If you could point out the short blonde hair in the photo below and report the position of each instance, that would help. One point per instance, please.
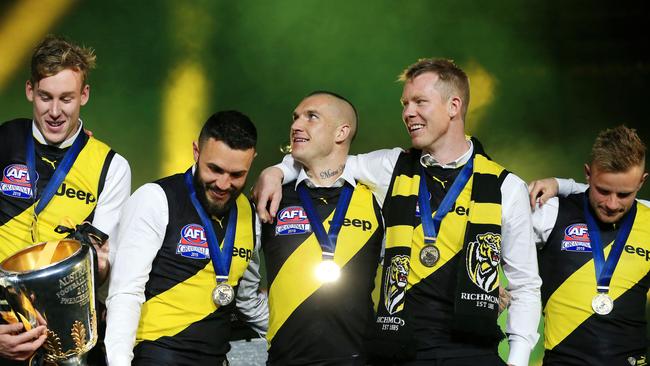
(617, 150)
(451, 78)
(55, 54)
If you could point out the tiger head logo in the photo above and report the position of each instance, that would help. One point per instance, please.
(483, 257)
(395, 283)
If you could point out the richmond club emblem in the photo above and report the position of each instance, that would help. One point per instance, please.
(395, 283)
(483, 256)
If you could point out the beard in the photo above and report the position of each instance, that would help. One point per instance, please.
(213, 208)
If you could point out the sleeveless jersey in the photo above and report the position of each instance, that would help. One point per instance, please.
(75, 198)
(179, 315)
(312, 322)
(573, 333)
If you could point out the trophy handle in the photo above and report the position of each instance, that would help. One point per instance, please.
(22, 310)
(94, 261)
(86, 234)
(6, 311)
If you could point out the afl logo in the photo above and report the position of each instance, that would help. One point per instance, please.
(576, 238)
(193, 243)
(292, 220)
(16, 181)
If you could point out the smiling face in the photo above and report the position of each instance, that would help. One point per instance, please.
(221, 174)
(318, 125)
(57, 101)
(426, 113)
(611, 194)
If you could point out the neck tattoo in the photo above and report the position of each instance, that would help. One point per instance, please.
(329, 173)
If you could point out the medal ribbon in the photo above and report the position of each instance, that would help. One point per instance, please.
(221, 258)
(605, 268)
(59, 173)
(327, 240)
(431, 226)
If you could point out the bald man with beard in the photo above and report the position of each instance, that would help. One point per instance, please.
(322, 248)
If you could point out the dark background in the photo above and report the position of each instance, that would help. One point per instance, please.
(546, 75)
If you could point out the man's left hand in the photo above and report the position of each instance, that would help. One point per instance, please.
(504, 299)
(102, 261)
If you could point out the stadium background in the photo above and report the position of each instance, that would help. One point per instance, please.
(546, 75)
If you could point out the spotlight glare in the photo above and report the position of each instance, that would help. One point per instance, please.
(328, 271)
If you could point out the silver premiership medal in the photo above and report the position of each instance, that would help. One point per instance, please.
(223, 294)
(602, 304)
(328, 271)
(429, 255)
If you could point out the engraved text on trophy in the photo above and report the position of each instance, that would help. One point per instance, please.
(73, 288)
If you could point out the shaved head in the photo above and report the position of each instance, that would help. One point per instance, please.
(323, 127)
(341, 109)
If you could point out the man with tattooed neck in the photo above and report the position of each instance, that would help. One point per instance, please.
(453, 217)
(322, 250)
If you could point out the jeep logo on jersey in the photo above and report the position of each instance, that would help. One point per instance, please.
(365, 225)
(193, 243)
(70, 192)
(459, 210)
(16, 182)
(576, 239)
(641, 252)
(292, 220)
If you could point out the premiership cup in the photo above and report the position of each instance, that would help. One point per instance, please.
(59, 293)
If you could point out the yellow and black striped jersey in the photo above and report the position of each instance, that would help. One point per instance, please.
(573, 333)
(179, 315)
(312, 322)
(75, 198)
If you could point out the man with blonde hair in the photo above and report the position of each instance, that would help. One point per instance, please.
(440, 287)
(594, 259)
(52, 170)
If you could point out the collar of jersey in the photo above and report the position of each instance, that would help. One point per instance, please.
(427, 160)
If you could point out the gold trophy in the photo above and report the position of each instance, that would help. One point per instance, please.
(53, 284)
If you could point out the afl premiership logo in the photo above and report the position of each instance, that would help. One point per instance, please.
(193, 243)
(576, 238)
(16, 181)
(395, 283)
(292, 220)
(483, 256)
